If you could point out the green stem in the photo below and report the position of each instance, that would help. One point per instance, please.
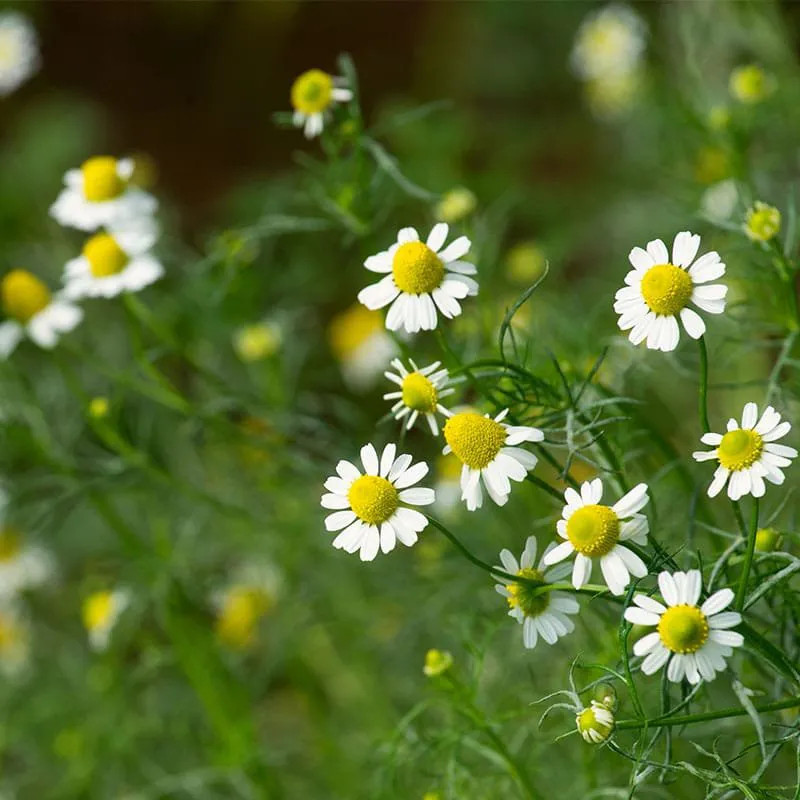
(687, 719)
(748, 558)
(701, 343)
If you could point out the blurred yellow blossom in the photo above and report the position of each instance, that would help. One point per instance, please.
(251, 595)
(768, 540)
(437, 662)
(613, 96)
(455, 205)
(100, 612)
(99, 407)
(762, 222)
(712, 164)
(525, 263)
(750, 84)
(14, 639)
(257, 342)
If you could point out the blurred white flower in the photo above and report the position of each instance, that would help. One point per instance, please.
(14, 638)
(313, 94)
(610, 42)
(719, 201)
(22, 566)
(19, 51)
(420, 393)
(101, 612)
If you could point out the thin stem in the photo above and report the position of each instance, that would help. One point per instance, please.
(701, 343)
(748, 558)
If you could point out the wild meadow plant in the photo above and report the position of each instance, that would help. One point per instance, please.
(167, 421)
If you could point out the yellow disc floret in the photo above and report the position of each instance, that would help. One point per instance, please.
(666, 289)
(10, 544)
(416, 268)
(419, 394)
(101, 179)
(593, 530)
(312, 92)
(740, 449)
(683, 629)
(763, 222)
(476, 440)
(524, 595)
(104, 255)
(23, 295)
(373, 499)
(98, 609)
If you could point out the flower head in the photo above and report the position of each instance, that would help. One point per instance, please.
(23, 566)
(371, 509)
(257, 342)
(421, 277)
(455, 205)
(595, 723)
(694, 639)
(612, 97)
(762, 222)
(609, 42)
(34, 312)
(14, 638)
(658, 292)
(596, 532)
(100, 194)
(19, 51)
(488, 451)
(437, 662)
(768, 540)
(101, 612)
(313, 95)
(749, 454)
(750, 84)
(420, 391)
(99, 407)
(541, 614)
(251, 594)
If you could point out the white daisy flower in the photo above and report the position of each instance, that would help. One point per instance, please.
(101, 194)
(610, 42)
(370, 509)
(695, 639)
(101, 612)
(594, 531)
(545, 614)
(420, 393)
(19, 51)
(659, 291)
(421, 277)
(33, 312)
(487, 449)
(112, 263)
(22, 566)
(749, 454)
(313, 94)
(595, 723)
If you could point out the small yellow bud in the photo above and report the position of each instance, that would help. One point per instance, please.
(257, 342)
(762, 222)
(750, 84)
(455, 205)
(606, 694)
(595, 723)
(768, 540)
(437, 662)
(99, 407)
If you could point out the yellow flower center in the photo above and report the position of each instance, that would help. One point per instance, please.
(593, 530)
(524, 597)
(437, 662)
(243, 607)
(419, 394)
(373, 499)
(97, 610)
(750, 84)
(351, 329)
(416, 268)
(101, 180)
(739, 449)
(683, 629)
(10, 544)
(312, 92)
(12, 634)
(666, 289)
(104, 255)
(476, 440)
(23, 295)
(763, 222)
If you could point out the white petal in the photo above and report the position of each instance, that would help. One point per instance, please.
(559, 553)
(669, 591)
(638, 616)
(437, 236)
(412, 475)
(658, 251)
(455, 250)
(581, 570)
(684, 248)
(369, 458)
(657, 658)
(631, 502)
(693, 323)
(644, 645)
(418, 496)
(719, 600)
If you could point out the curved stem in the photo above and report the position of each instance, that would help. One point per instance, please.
(748, 558)
(701, 343)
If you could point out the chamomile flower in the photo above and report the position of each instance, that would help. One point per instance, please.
(609, 42)
(659, 291)
(371, 509)
(19, 51)
(313, 95)
(695, 640)
(421, 277)
(762, 222)
(101, 612)
(595, 723)
(101, 194)
(437, 662)
(487, 449)
(360, 343)
(748, 454)
(541, 614)
(22, 565)
(420, 393)
(112, 263)
(750, 84)
(251, 594)
(33, 312)
(594, 531)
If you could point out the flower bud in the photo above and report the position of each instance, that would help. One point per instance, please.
(595, 723)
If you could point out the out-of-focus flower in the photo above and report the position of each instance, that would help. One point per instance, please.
(313, 94)
(33, 312)
(252, 593)
(720, 200)
(762, 222)
(99, 407)
(448, 484)
(719, 117)
(421, 277)
(595, 723)
(712, 165)
(100, 194)
(370, 509)
(750, 84)
(612, 97)
(22, 566)
(455, 205)
(113, 263)
(437, 662)
(658, 292)
(19, 51)
(749, 454)
(525, 263)
(488, 450)
(257, 342)
(14, 639)
(768, 540)
(360, 343)
(101, 612)
(420, 393)
(609, 42)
